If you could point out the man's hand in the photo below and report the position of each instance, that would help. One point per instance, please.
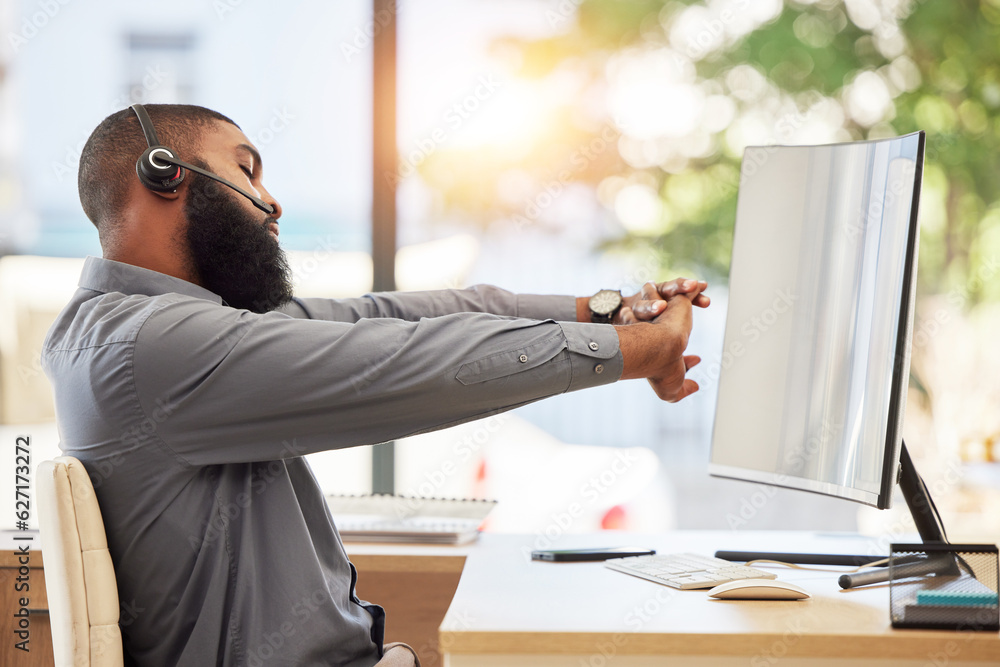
(652, 299)
(655, 350)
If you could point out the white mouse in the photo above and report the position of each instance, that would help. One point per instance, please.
(758, 589)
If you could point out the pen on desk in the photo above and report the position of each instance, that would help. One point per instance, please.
(919, 567)
(863, 578)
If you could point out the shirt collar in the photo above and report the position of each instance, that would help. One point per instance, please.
(106, 275)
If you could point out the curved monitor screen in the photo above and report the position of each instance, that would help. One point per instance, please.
(816, 354)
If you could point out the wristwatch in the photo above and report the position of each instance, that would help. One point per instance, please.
(605, 305)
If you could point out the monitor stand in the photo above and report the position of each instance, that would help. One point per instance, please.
(918, 500)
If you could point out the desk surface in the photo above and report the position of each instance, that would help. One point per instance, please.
(508, 604)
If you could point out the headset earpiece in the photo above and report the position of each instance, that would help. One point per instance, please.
(156, 175)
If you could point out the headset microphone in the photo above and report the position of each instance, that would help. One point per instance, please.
(160, 170)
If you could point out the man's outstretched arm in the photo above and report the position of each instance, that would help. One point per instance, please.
(412, 306)
(241, 387)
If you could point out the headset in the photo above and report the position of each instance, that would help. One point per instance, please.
(160, 170)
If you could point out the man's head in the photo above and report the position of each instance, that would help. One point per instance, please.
(202, 232)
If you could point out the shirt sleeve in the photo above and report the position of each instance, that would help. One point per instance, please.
(411, 306)
(225, 385)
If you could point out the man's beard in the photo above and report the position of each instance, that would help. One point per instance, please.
(233, 253)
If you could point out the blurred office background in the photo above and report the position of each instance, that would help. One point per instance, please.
(558, 146)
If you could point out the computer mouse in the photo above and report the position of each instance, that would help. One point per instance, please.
(758, 589)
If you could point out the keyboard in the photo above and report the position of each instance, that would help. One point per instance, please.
(685, 571)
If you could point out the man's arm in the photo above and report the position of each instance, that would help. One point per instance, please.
(238, 387)
(411, 306)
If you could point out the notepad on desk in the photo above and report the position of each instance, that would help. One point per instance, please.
(388, 518)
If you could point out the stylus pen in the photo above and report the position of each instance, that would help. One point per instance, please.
(803, 559)
(922, 568)
(864, 578)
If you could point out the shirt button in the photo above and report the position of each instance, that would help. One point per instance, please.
(599, 368)
(593, 346)
(523, 358)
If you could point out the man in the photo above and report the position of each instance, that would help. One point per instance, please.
(191, 383)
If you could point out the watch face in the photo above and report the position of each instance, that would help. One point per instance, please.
(605, 302)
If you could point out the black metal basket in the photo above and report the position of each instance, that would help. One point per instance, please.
(944, 586)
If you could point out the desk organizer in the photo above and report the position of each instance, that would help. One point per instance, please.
(944, 586)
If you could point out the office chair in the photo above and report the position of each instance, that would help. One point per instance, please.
(79, 576)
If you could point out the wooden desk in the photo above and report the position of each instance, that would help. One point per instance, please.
(509, 610)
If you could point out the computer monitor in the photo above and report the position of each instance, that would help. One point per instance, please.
(815, 363)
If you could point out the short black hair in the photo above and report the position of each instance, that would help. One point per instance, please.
(107, 162)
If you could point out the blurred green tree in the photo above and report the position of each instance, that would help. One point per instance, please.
(665, 96)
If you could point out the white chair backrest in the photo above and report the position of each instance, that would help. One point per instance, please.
(79, 576)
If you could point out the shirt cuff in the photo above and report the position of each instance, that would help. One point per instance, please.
(543, 307)
(594, 354)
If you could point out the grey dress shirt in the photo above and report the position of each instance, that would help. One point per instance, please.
(192, 418)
